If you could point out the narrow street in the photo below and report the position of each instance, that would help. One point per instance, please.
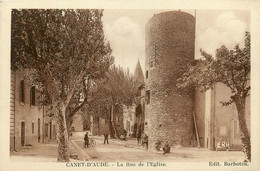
(118, 150)
(115, 151)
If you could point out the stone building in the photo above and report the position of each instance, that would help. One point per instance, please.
(134, 115)
(140, 104)
(30, 122)
(169, 45)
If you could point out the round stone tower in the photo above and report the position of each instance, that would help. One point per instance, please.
(169, 45)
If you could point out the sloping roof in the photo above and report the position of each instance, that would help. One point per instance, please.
(138, 75)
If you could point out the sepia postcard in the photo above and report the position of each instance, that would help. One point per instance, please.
(107, 85)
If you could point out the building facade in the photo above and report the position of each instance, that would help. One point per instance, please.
(218, 126)
(30, 122)
(134, 116)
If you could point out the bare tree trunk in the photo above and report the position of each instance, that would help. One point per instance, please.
(245, 137)
(69, 121)
(63, 143)
(110, 126)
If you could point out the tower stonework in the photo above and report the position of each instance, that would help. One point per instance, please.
(169, 46)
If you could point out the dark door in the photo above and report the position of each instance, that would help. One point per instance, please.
(50, 129)
(46, 130)
(39, 130)
(22, 133)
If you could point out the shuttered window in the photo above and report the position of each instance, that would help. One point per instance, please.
(32, 96)
(148, 97)
(22, 93)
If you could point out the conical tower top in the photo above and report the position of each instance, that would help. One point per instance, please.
(138, 74)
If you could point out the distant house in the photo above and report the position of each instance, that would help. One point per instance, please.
(30, 121)
(77, 125)
(102, 122)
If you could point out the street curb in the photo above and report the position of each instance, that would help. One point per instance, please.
(85, 156)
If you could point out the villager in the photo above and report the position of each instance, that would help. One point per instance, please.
(145, 140)
(106, 137)
(138, 135)
(124, 132)
(123, 135)
(166, 148)
(142, 138)
(86, 139)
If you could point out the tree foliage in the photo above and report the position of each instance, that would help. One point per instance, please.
(66, 50)
(115, 90)
(231, 68)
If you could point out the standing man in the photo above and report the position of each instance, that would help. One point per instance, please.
(86, 139)
(145, 140)
(138, 135)
(106, 138)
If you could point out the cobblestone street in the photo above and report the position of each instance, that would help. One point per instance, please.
(118, 150)
(128, 150)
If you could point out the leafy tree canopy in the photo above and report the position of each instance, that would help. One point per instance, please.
(66, 50)
(230, 67)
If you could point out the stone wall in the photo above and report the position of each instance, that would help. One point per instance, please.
(169, 45)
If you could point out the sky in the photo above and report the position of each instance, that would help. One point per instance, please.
(125, 30)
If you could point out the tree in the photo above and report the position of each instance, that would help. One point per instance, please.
(66, 49)
(232, 68)
(115, 90)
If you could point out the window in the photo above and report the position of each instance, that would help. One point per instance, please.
(22, 94)
(32, 96)
(32, 128)
(146, 74)
(147, 97)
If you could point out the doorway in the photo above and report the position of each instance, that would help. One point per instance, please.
(46, 130)
(22, 133)
(51, 129)
(39, 130)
